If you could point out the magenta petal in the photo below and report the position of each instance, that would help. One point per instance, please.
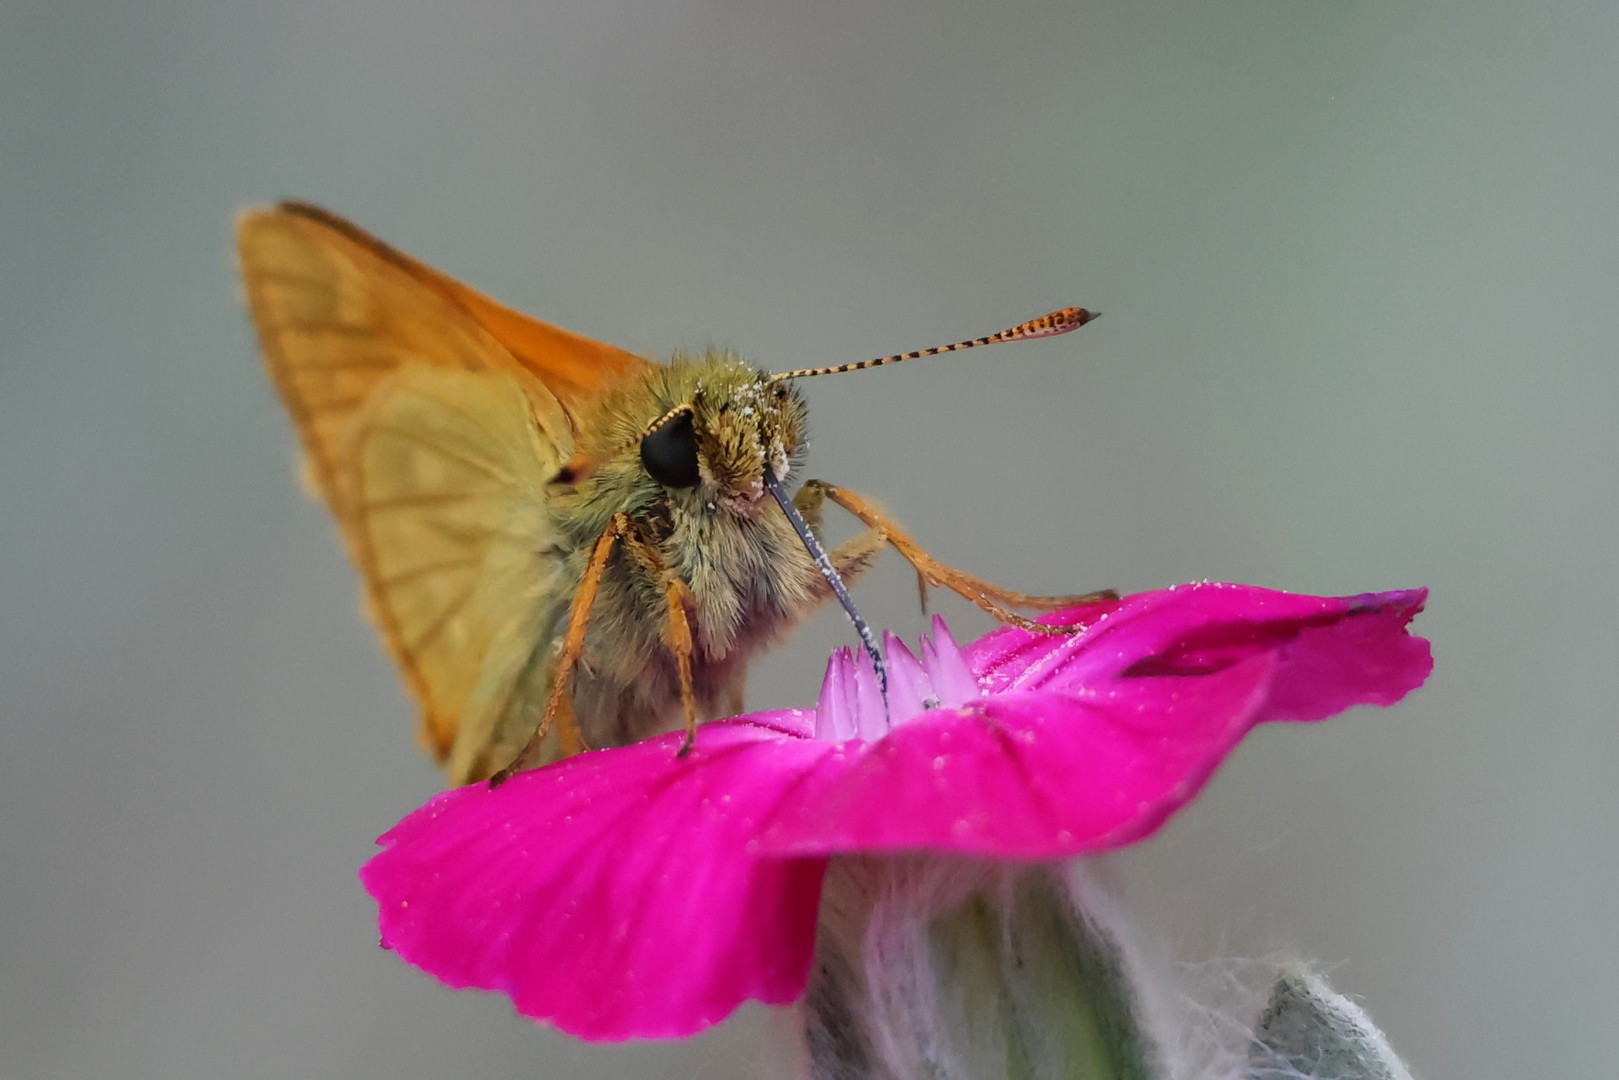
(1364, 658)
(1089, 741)
(1029, 776)
(1342, 651)
(614, 894)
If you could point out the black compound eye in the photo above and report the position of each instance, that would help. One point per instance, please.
(669, 453)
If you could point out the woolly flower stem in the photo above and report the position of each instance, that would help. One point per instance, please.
(930, 968)
(965, 970)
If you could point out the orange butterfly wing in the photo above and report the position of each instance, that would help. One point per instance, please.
(436, 480)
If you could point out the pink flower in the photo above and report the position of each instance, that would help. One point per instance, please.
(630, 893)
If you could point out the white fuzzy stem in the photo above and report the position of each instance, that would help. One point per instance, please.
(934, 969)
(929, 968)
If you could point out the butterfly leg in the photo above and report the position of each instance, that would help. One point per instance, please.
(991, 598)
(859, 552)
(855, 555)
(677, 631)
(573, 643)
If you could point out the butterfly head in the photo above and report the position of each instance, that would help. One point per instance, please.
(702, 434)
(728, 425)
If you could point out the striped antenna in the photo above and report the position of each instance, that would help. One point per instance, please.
(1058, 322)
(578, 468)
(683, 407)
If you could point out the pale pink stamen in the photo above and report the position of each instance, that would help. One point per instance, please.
(910, 691)
(871, 718)
(835, 711)
(851, 705)
(954, 683)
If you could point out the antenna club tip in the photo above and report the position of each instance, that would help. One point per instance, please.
(1058, 322)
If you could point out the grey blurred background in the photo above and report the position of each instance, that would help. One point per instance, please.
(1358, 262)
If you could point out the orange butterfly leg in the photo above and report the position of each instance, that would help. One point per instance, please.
(573, 643)
(677, 635)
(680, 643)
(930, 571)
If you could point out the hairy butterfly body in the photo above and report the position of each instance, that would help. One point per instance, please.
(562, 544)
